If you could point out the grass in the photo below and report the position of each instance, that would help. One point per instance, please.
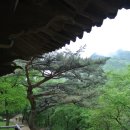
(2, 123)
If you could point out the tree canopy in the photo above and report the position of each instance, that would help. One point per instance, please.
(12, 95)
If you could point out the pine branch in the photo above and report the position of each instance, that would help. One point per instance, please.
(42, 81)
(45, 94)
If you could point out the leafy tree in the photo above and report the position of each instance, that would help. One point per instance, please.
(71, 69)
(114, 104)
(65, 117)
(12, 96)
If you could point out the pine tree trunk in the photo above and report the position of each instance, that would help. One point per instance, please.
(32, 115)
(7, 118)
(7, 121)
(31, 121)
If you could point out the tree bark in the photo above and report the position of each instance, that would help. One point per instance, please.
(32, 114)
(7, 121)
(31, 121)
(7, 118)
(31, 98)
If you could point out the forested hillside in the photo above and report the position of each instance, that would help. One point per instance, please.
(118, 61)
(62, 91)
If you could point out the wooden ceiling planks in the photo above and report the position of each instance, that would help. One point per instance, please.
(33, 27)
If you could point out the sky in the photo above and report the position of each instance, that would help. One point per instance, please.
(113, 35)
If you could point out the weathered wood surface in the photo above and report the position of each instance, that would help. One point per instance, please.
(33, 27)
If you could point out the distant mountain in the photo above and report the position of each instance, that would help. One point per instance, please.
(96, 56)
(121, 54)
(118, 61)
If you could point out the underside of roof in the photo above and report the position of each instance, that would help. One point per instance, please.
(32, 27)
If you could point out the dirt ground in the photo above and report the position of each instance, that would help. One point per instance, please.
(25, 128)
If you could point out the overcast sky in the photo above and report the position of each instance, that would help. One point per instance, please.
(113, 35)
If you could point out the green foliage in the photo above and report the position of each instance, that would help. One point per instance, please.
(66, 77)
(2, 123)
(113, 111)
(69, 81)
(119, 61)
(63, 78)
(12, 94)
(66, 117)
